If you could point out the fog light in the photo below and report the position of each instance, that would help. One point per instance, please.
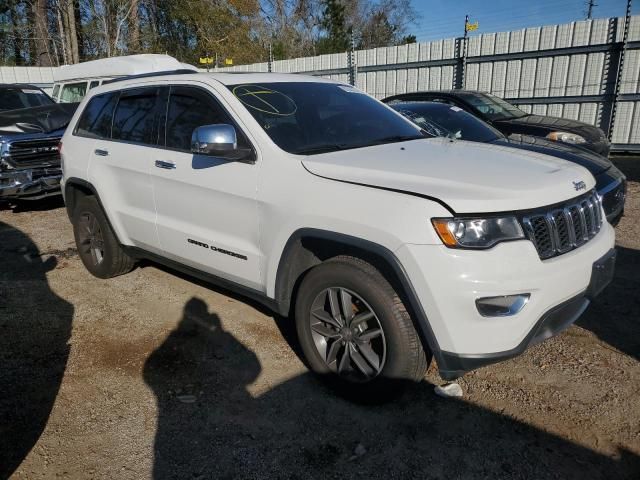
(502, 306)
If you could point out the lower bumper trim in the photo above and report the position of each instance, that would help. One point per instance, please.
(556, 320)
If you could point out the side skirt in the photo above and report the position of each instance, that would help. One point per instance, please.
(234, 287)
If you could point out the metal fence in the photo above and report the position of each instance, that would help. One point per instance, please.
(588, 71)
(584, 70)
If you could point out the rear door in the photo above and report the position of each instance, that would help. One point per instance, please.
(207, 212)
(121, 162)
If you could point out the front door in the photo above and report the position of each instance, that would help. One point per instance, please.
(206, 206)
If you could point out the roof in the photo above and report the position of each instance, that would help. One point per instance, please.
(119, 66)
(262, 77)
(229, 78)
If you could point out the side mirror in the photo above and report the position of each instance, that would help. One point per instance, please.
(216, 140)
(220, 141)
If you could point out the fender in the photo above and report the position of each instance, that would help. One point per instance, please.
(287, 274)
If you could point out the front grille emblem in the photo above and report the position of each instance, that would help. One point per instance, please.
(579, 185)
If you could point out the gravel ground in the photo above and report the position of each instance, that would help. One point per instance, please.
(153, 374)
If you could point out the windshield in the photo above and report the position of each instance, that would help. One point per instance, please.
(308, 118)
(14, 98)
(491, 107)
(445, 120)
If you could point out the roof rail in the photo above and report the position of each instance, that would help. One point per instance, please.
(182, 71)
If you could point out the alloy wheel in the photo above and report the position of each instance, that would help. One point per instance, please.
(91, 239)
(348, 334)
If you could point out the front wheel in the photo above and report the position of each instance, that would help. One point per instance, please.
(354, 328)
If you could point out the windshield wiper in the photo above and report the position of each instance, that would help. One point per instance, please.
(322, 149)
(394, 139)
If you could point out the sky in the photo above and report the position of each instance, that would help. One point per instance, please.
(445, 18)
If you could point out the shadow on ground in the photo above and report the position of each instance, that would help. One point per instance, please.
(614, 316)
(35, 327)
(210, 426)
(44, 204)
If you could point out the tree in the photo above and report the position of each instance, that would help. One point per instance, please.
(336, 38)
(42, 55)
(53, 32)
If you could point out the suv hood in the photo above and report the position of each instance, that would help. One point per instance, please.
(469, 177)
(43, 119)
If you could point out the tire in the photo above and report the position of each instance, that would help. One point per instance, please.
(98, 247)
(399, 355)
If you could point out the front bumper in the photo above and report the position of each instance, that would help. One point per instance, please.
(30, 184)
(448, 282)
(554, 321)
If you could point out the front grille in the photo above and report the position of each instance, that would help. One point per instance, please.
(32, 153)
(613, 200)
(561, 229)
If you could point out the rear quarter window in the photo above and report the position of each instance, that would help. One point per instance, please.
(96, 119)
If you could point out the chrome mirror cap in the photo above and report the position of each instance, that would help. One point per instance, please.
(214, 139)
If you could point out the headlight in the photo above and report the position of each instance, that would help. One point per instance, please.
(477, 232)
(566, 137)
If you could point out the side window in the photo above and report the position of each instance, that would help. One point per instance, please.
(134, 118)
(56, 89)
(73, 92)
(190, 108)
(96, 118)
(93, 84)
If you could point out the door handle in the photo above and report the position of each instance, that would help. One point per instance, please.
(101, 153)
(165, 165)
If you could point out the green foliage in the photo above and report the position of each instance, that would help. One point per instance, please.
(336, 38)
(190, 29)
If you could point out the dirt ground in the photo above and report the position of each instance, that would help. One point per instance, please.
(154, 374)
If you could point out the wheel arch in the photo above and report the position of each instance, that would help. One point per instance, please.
(74, 188)
(308, 247)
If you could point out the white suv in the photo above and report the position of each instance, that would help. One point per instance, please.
(387, 248)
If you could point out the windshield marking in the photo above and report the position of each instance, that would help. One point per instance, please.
(258, 94)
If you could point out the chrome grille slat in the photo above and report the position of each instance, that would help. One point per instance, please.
(560, 230)
(27, 153)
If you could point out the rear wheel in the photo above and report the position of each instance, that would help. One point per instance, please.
(98, 247)
(355, 330)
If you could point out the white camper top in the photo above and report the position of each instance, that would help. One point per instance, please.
(119, 67)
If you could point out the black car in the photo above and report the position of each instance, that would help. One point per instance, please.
(14, 96)
(444, 120)
(509, 119)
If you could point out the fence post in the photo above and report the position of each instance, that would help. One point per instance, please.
(458, 72)
(351, 61)
(270, 63)
(619, 70)
(461, 54)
